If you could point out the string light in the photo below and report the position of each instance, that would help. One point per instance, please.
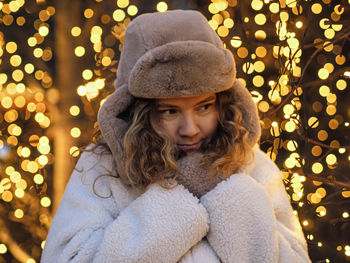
(162, 7)
(269, 72)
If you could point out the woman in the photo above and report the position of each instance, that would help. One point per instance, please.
(182, 179)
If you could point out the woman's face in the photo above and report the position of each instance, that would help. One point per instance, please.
(188, 121)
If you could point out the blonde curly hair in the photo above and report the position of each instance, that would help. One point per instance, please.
(151, 155)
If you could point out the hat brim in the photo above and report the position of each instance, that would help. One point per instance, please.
(182, 69)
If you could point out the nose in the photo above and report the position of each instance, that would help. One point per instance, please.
(189, 126)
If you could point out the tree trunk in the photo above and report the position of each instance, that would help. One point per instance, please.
(66, 71)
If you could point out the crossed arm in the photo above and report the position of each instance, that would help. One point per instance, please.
(243, 220)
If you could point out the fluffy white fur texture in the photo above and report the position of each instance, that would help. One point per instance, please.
(250, 220)
(182, 69)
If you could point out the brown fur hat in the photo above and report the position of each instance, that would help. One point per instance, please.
(167, 55)
(174, 54)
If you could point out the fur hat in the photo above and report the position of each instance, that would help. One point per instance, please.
(167, 55)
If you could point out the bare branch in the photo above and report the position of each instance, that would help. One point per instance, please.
(15, 249)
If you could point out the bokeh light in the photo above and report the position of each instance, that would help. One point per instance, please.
(291, 55)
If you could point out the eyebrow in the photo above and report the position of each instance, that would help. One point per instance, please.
(208, 99)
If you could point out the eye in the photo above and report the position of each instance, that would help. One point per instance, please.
(168, 112)
(206, 107)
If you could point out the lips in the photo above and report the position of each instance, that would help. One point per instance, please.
(189, 147)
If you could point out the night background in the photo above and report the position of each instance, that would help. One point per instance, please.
(58, 62)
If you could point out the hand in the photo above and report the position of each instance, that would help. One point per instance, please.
(195, 176)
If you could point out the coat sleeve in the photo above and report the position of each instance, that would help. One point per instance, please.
(200, 253)
(160, 225)
(251, 219)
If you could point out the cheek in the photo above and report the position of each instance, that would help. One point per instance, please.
(169, 127)
(210, 124)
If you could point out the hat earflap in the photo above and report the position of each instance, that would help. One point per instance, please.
(249, 111)
(113, 128)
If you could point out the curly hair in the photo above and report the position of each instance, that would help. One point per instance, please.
(151, 155)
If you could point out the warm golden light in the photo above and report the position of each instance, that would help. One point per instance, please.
(229, 23)
(74, 110)
(213, 24)
(81, 90)
(260, 35)
(323, 73)
(132, 10)
(284, 16)
(223, 31)
(6, 102)
(15, 177)
(19, 213)
(261, 51)
(87, 74)
(38, 179)
(43, 160)
(242, 52)
(248, 68)
(322, 135)
(260, 19)
(259, 66)
(292, 145)
(331, 159)
(321, 211)
(341, 84)
(88, 13)
(317, 168)
(79, 51)
(290, 126)
(74, 151)
(218, 18)
(32, 167)
(29, 68)
(212, 8)
(258, 81)
(263, 106)
(3, 78)
(76, 31)
(162, 7)
(15, 60)
(25, 152)
(75, 132)
(324, 90)
(257, 4)
(329, 33)
(11, 47)
(303, 115)
(45, 201)
(118, 15)
(221, 5)
(316, 8)
(122, 3)
(3, 248)
(38, 52)
(44, 30)
(236, 41)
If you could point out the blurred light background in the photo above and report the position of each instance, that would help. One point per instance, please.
(57, 65)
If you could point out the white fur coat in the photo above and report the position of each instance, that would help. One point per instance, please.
(247, 218)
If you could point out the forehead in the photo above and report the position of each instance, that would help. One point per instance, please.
(186, 101)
